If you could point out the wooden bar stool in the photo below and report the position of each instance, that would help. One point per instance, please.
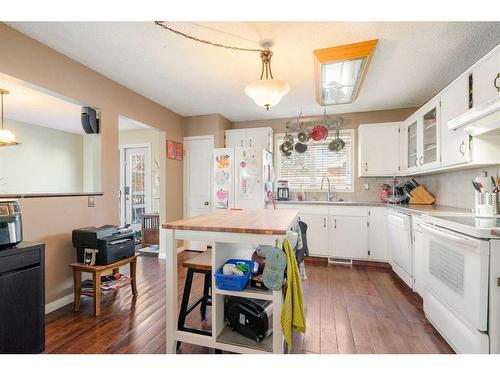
(199, 264)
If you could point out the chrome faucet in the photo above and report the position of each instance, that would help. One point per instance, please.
(330, 195)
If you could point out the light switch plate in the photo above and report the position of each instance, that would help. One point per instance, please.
(91, 201)
(367, 187)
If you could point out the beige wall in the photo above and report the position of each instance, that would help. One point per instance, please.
(351, 121)
(51, 220)
(213, 124)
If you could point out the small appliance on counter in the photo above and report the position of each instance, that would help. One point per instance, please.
(11, 228)
(283, 192)
(112, 243)
(249, 317)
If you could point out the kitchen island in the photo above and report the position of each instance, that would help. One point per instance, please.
(233, 234)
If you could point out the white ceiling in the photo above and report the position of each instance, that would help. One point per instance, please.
(412, 62)
(28, 104)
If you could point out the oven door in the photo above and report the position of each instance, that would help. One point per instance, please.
(456, 270)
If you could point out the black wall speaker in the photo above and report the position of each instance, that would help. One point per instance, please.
(90, 122)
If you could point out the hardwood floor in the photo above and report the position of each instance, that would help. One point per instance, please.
(359, 309)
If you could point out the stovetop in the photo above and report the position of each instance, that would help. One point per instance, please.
(480, 227)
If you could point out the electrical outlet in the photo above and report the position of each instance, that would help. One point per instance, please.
(367, 187)
(91, 201)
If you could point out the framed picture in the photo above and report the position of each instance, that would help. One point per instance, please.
(174, 150)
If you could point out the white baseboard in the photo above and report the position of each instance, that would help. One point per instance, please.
(58, 303)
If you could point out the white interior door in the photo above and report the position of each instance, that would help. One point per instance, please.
(197, 180)
(136, 191)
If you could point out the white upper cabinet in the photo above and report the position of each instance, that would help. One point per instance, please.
(454, 143)
(236, 138)
(486, 78)
(430, 122)
(421, 139)
(378, 148)
(252, 137)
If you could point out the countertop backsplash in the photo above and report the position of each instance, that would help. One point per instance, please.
(453, 189)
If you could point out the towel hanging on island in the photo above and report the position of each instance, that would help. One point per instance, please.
(292, 314)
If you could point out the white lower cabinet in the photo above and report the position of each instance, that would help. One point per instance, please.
(349, 236)
(418, 256)
(343, 231)
(317, 234)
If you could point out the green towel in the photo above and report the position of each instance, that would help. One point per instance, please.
(292, 315)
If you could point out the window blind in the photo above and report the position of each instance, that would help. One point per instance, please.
(306, 170)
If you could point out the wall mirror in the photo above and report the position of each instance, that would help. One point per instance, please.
(54, 155)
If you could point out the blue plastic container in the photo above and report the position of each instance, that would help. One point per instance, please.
(234, 282)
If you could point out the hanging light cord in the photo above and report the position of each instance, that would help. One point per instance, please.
(162, 25)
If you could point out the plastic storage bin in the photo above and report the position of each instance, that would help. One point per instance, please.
(234, 282)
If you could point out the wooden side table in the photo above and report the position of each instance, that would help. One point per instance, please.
(97, 272)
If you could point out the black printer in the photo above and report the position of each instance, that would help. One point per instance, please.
(112, 243)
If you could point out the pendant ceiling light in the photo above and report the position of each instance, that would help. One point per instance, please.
(265, 92)
(6, 137)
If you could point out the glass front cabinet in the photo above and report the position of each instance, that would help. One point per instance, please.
(421, 138)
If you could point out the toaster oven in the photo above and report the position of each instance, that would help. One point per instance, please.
(11, 229)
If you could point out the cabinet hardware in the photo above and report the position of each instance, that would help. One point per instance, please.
(471, 98)
(206, 203)
(335, 223)
(498, 281)
(368, 224)
(250, 143)
(369, 253)
(462, 148)
(366, 167)
(241, 142)
(421, 160)
(324, 222)
(495, 82)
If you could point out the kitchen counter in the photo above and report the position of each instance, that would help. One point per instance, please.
(435, 209)
(268, 222)
(333, 203)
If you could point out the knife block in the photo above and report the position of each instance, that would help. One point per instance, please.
(421, 196)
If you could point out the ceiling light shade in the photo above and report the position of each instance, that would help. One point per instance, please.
(267, 92)
(6, 137)
(340, 71)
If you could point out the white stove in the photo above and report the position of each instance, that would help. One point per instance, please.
(461, 276)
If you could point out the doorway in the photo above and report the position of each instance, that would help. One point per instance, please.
(197, 181)
(135, 183)
(142, 182)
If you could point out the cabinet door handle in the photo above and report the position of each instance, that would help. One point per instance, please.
(250, 143)
(462, 148)
(366, 166)
(241, 142)
(324, 222)
(421, 160)
(335, 223)
(495, 82)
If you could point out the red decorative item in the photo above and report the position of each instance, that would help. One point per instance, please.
(319, 133)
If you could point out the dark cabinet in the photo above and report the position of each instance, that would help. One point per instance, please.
(22, 299)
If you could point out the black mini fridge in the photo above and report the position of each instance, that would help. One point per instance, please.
(22, 299)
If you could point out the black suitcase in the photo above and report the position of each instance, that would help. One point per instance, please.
(249, 317)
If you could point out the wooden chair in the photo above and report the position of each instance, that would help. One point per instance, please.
(199, 264)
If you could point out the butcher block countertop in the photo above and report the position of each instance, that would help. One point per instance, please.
(262, 221)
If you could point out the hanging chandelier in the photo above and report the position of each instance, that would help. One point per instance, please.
(6, 137)
(265, 92)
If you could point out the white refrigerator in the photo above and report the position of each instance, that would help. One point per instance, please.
(242, 178)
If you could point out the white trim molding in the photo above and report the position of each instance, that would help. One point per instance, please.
(58, 303)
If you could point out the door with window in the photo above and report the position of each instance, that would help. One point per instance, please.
(135, 185)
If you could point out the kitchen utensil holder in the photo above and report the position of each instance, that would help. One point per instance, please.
(421, 196)
(486, 204)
